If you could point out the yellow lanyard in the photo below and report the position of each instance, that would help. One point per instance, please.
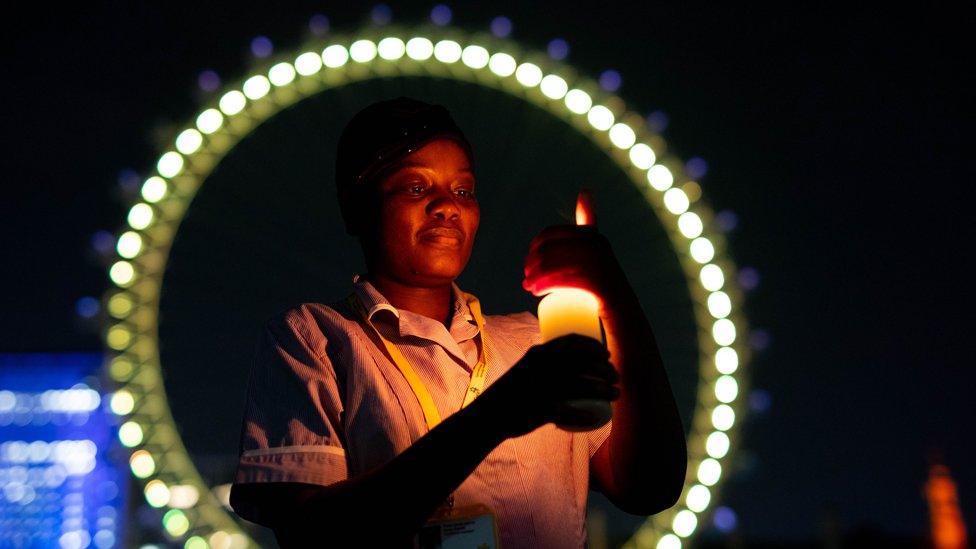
(478, 375)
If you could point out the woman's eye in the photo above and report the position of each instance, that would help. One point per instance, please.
(465, 193)
(415, 188)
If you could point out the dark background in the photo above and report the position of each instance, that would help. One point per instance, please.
(836, 136)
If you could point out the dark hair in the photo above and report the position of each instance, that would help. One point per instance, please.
(376, 138)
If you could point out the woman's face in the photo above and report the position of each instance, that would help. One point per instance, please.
(427, 217)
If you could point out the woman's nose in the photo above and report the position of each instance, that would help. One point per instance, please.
(443, 205)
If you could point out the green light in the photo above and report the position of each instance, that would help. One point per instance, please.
(122, 402)
(142, 464)
(196, 542)
(176, 523)
(130, 434)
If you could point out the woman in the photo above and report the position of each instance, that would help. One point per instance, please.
(402, 415)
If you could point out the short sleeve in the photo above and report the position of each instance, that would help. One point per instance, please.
(292, 428)
(597, 437)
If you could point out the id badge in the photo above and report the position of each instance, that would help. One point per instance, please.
(472, 527)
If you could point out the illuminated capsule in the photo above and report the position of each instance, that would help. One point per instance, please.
(256, 87)
(600, 117)
(622, 136)
(684, 523)
(154, 189)
(528, 74)
(130, 434)
(709, 472)
(175, 522)
(142, 464)
(419, 49)
(698, 498)
(502, 64)
(232, 102)
(391, 48)
(335, 56)
(447, 51)
(660, 177)
(281, 74)
(726, 360)
(475, 57)
(553, 87)
(717, 444)
(156, 493)
(307, 64)
(578, 101)
(170, 164)
(122, 403)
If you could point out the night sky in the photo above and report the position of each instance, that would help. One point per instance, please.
(835, 138)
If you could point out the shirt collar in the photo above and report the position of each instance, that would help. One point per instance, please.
(374, 302)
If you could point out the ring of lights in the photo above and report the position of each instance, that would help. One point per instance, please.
(193, 515)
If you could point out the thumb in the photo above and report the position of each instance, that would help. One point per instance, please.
(585, 212)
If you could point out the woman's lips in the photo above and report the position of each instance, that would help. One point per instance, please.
(443, 235)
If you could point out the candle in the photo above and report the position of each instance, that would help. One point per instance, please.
(574, 311)
(569, 311)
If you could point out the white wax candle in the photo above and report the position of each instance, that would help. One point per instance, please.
(569, 311)
(573, 311)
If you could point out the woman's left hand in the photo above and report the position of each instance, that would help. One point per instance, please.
(575, 256)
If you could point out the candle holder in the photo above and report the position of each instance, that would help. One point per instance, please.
(574, 311)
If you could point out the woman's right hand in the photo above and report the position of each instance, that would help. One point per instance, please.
(538, 388)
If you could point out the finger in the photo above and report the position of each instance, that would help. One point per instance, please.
(566, 414)
(539, 283)
(604, 369)
(585, 211)
(578, 343)
(591, 387)
(579, 347)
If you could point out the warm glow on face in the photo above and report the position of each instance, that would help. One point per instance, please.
(428, 216)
